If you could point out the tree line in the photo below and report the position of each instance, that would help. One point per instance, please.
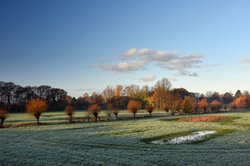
(161, 96)
(15, 97)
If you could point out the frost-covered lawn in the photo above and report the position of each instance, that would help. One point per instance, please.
(120, 142)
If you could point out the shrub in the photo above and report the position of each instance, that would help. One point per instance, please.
(69, 110)
(133, 106)
(36, 107)
(3, 116)
(233, 105)
(94, 110)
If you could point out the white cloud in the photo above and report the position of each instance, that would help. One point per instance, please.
(131, 52)
(149, 78)
(172, 61)
(124, 66)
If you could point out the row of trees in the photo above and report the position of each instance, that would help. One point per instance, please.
(161, 96)
(15, 97)
(187, 105)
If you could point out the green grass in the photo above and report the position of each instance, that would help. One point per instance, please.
(122, 142)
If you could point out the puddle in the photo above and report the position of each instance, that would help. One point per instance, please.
(191, 138)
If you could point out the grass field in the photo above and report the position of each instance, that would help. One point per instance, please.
(121, 142)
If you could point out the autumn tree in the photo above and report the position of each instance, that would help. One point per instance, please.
(109, 109)
(165, 107)
(118, 90)
(69, 110)
(94, 110)
(172, 104)
(187, 104)
(242, 102)
(215, 105)
(36, 107)
(233, 105)
(150, 109)
(108, 93)
(133, 106)
(3, 115)
(195, 106)
(161, 92)
(203, 104)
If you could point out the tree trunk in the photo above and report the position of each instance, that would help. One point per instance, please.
(116, 115)
(70, 119)
(2, 120)
(96, 116)
(37, 120)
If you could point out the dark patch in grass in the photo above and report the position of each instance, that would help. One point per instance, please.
(122, 132)
(185, 133)
(228, 120)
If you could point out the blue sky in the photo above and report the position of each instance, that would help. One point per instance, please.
(83, 45)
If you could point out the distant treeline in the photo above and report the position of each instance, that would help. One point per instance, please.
(161, 96)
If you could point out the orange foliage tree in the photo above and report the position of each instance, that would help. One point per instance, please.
(133, 106)
(195, 106)
(187, 104)
(36, 107)
(203, 104)
(110, 107)
(216, 105)
(69, 110)
(150, 109)
(109, 110)
(3, 115)
(165, 107)
(233, 105)
(94, 110)
(242, 101)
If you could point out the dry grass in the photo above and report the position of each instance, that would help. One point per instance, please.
(203, 119)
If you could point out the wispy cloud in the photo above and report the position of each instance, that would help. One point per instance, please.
(149, 78)
(245, 61)
(172, 61)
